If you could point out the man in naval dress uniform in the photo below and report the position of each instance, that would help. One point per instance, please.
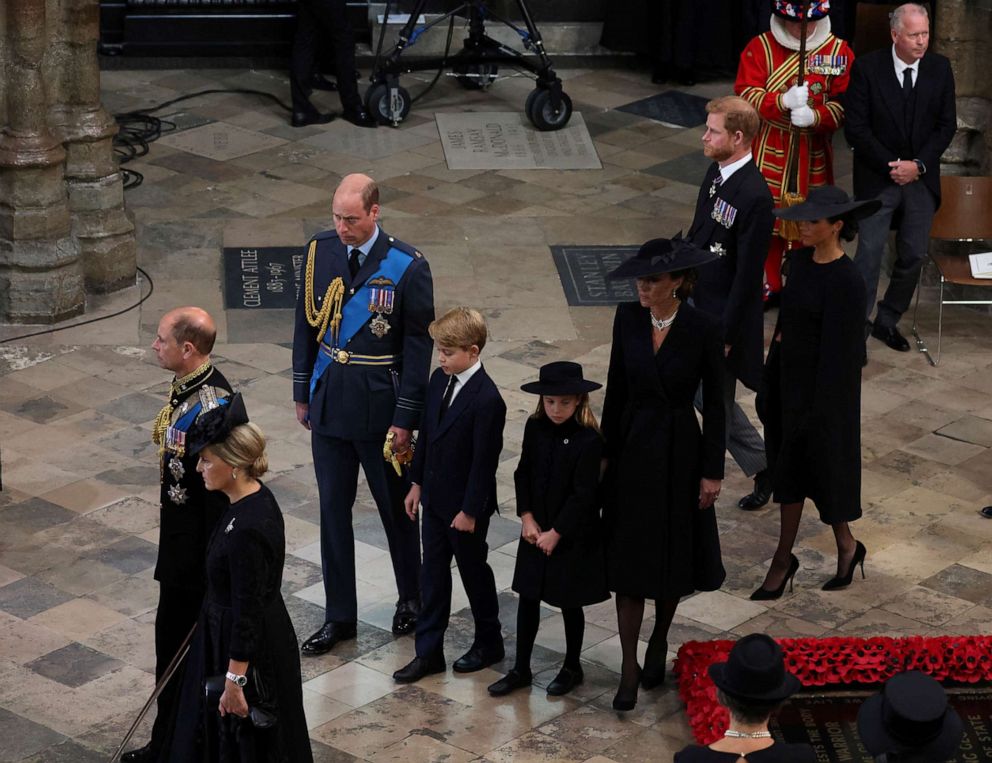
(189, 511)
(361, 356)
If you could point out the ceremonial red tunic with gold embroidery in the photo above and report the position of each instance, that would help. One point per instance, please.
(767, 70)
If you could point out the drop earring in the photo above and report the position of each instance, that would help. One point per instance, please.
(234, 473)
(675, 293)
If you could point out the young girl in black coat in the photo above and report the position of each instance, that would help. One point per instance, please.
(560, 558)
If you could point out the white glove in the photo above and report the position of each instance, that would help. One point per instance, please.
(803, 116)
(796, 96)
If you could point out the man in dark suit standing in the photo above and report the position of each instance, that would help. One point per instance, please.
(183, 343)
(734, 219)
(361, 355)
(900, 119)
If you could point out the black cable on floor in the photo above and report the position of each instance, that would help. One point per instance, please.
(151, 289)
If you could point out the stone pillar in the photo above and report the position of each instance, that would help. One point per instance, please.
(40, 275)
(96, 193)
(964, 35)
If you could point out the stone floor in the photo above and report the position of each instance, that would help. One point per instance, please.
(78, 514)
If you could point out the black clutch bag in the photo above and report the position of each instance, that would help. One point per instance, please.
(261, 718)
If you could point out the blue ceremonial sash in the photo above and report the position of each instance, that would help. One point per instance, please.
(186, 420)
(356, 313)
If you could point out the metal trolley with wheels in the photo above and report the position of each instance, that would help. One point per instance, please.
(476, 65)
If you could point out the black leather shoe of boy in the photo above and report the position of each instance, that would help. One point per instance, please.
(304, 118)
(515, 679)
(477, 658)
(325, 639)
(420, 667)
(891, 336)
(566, 680)
(405, 619)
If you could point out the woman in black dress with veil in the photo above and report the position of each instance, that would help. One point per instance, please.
(811, 407)
(663, 472)
(244, 645)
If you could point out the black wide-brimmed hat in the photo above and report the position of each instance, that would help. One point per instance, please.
(215, 425)
(560, 378)
(910, 714)
(662, 255)
(755, 671)
(829, 201)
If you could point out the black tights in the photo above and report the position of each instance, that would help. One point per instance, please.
(528, 621)
(630, 614)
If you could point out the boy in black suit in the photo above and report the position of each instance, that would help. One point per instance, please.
(454, 478)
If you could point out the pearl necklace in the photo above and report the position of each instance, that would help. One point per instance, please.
(663, 324)
(734, 734)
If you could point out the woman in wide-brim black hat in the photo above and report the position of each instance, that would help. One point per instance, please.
(751, 684)
(811, 404)
(664, 471)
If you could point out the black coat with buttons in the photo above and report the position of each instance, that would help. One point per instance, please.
(557, 480)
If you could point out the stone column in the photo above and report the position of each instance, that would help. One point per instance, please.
(104, 232)
(40, 275)
(964, 35)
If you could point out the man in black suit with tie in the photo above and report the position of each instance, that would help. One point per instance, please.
(734, 219)
(361, 356)
(900, 118)
(454, 477)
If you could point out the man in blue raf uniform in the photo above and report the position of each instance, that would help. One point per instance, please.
(361, 354)
(182, 345)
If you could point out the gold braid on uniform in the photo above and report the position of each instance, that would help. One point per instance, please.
(164, 417)
(329, 313)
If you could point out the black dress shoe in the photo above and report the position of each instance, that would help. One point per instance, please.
(405, 619)
(359, 117)
(477, 658)
(418, 668)
(304, 118)
(515, 679)
(325, 639)
(761, 494)
(891, 336)
(566, 680)
(139, 755)
(986, 512)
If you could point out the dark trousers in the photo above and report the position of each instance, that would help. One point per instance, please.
(336, 464)
(917, 206)
(743, 440)
(178, 609)
(470, 550)
(323, 20)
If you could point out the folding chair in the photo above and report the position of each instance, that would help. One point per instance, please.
(965, 215)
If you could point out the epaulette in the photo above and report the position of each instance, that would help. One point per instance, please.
(209, 398)
(404, 247)
(324, 234)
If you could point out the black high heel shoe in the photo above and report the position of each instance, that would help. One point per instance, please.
(626, 697)
(763, 594)
(843, 581)
(653, 673)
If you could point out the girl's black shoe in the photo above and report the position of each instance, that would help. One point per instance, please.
(842, 581)
(763, 594)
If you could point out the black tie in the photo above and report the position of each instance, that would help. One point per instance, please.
(449, 391)
(353, 263)
(907, 83)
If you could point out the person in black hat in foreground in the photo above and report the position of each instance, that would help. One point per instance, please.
(751, 684)
(663, 472)
(811, 406)
(560, 555)
(244, 647)
(910, 720)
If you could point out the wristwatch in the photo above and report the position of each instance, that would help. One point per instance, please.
(237, 680)
(920, 166)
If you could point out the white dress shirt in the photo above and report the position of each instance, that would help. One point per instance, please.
(463, 378)
(901, 66)
(731, 168)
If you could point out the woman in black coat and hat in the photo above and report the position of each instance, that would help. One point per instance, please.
(751, 684)
(560, 555)
(812, 408)
(244, 648)
(663, 472)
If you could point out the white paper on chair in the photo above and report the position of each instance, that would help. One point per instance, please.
(981, 265)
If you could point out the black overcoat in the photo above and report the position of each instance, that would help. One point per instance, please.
(557, 481)
(660, 544)
(818, 391)
(730, 287)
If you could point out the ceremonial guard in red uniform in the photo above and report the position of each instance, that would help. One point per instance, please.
(767, 78)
